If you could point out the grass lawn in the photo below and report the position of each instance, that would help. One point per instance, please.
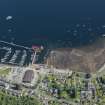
(4, 71)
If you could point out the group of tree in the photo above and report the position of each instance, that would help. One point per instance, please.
(6, 99)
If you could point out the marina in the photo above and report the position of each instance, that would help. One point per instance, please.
(15, 54)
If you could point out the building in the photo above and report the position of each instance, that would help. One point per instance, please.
(28, 76)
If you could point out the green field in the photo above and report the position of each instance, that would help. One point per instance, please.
(5, 71)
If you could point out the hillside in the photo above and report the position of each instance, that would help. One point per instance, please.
(88, 58)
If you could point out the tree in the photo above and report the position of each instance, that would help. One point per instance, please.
(63, 94)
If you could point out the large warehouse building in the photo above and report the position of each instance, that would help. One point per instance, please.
(28, 76)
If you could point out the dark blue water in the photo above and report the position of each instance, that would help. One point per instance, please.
(40, 21)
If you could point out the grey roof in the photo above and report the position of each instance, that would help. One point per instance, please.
(28, 76)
